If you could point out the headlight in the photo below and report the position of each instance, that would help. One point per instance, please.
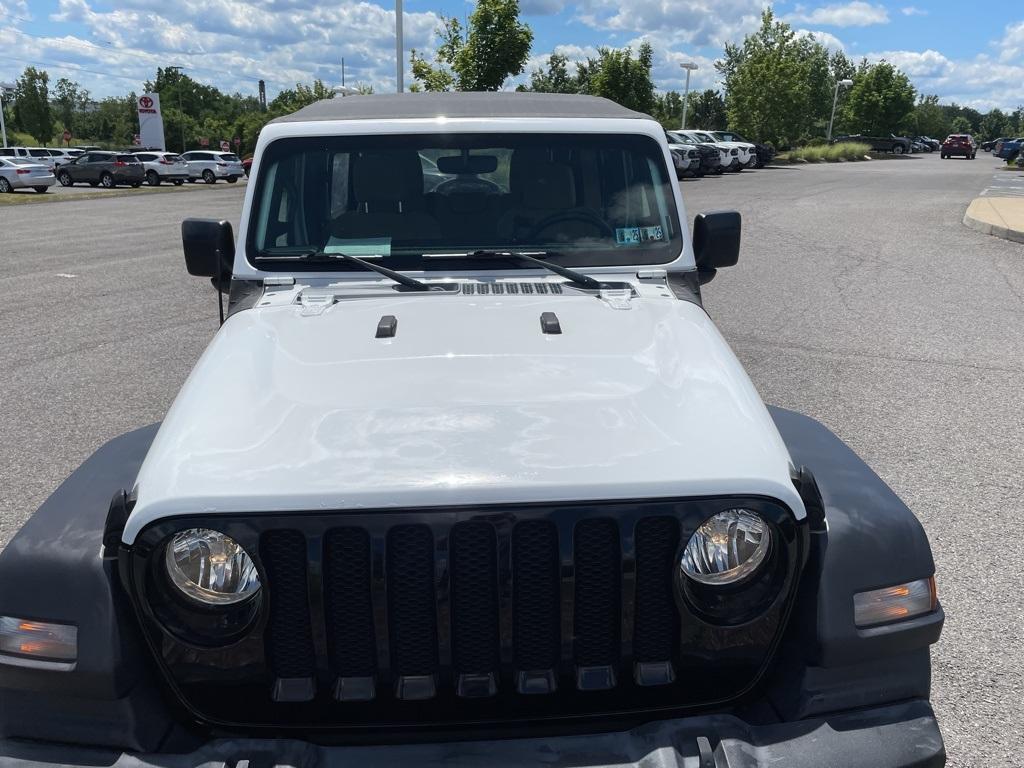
(726, 548)
(210, 568)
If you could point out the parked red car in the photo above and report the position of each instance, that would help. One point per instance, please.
(959, 144)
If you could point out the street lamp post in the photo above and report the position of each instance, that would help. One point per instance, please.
(399, 48)
(689, 66)
(181, 111)
(3, 125)
(835, 100)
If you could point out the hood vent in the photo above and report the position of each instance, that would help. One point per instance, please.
(510, 288)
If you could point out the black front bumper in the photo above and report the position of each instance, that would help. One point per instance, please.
(896, 736)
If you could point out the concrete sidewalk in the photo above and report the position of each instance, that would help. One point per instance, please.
(999, 216)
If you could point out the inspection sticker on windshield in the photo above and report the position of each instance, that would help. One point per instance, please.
(362, 247)
(638, 235)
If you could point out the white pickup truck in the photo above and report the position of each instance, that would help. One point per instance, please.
(468, 477)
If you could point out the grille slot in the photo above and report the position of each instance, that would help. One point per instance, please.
(535, 595)
(348, 605)
(412, 620)
(656, 627)
(598, 615)
(289, 631)
(474, 598)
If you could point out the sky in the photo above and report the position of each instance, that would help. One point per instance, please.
(112, 46)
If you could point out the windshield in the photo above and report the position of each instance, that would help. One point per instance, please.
(706, 137)
(586, 199)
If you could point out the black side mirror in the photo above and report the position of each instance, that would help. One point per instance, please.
(716, 242)
(209, 249)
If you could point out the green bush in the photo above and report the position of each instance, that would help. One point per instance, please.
(829, 154)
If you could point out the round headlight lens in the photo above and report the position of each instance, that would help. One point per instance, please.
(211, 568)
(727, 548)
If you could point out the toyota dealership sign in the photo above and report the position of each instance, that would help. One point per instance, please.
(151, 122)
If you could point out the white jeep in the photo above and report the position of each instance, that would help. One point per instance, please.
(468, 477)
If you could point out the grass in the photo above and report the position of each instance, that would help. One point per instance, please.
(833, 153)
(28, 197)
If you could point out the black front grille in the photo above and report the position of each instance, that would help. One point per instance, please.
(398, 619)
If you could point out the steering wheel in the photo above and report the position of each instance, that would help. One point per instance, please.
(467, 186)
(584, 215)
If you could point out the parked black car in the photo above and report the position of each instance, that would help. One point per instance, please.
(988, 146)
(898, 145)
(763, 152)
(107, 169)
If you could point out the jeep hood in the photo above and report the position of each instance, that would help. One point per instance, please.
(469, 403)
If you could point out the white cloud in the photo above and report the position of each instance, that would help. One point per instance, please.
(692, 22)
(929, 63)
(981, 82)
(853, 14)
(1012, 43)
(13, 10)
(910, 10)
(827, 39)
(226, 43)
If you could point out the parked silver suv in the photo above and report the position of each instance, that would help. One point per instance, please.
(210, 166)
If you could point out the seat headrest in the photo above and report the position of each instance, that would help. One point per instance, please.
(387, 177)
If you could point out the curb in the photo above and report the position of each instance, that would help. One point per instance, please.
(979, 217)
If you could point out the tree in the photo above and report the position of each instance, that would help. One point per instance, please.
(706, 110)
(32, 104)
(495, 47)
(668, 109)
(779, 83)
(292, 99)
(69, 99)
(960, 124)
(623, 79)
(993, 125)
(928, 118)
(556, 79)
(880, 100)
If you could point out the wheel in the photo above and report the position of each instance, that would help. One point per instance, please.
(5, 186)
(208, 177)
(65, 179)
(897, 149)
(107, 181)
(153, 178)
(41, 190)
(974, 155)
(232, 179)
(136, 184)
(942, 155)
(178, 182)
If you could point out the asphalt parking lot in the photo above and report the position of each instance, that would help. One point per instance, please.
(860, 299)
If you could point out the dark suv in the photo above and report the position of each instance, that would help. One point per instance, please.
(107, 169)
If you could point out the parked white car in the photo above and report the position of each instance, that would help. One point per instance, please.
(211, 166)
(64, 156)
(24, 173)
(736, 156)
(164, 166)
(747, 145)
(39, 155)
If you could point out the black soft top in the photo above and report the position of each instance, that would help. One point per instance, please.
(392, 106)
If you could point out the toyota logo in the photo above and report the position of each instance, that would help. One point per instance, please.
(146, 102)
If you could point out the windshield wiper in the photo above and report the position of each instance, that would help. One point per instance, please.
(324, 257)
(577, 278)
